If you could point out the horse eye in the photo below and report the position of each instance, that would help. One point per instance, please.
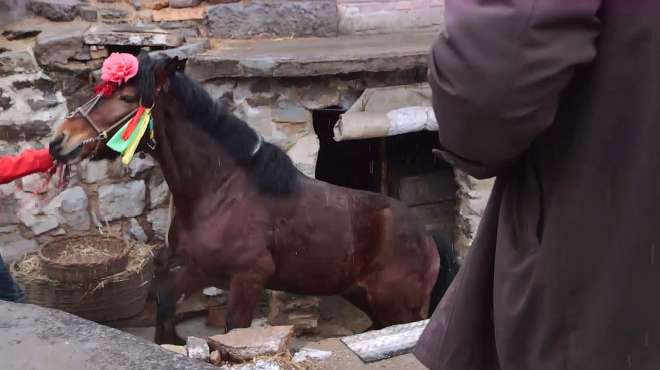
(129, 98)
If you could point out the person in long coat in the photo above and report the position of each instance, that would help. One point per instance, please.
(560, 100)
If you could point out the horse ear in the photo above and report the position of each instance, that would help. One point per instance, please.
(172, 65)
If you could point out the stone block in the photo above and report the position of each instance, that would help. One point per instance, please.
(273, 18)
(159, 221)
(55, 10)
(89, 14)
(38, 218)
(121, 200)
(58, 45)
(386, 343)
(245, 344)
(73, 208)
(14, 246)
(111, 15)
(149, 4)
(184, 3)
(158, 190)
(311, 355)
(140, 163)
(197, 348)
(175, 15)
(301, 312)
(291, 112)
(95, 171)
(17, 62)
(136, 231)
(102, 34)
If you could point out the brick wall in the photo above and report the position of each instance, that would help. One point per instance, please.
(379, 16)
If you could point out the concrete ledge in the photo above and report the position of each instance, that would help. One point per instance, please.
(312, 56)
(41, 338)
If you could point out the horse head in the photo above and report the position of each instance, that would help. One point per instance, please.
(86, 129)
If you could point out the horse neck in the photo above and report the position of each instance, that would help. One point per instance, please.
(194, 165)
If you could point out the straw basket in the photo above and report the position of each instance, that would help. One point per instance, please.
(81, 259)
(110, 298)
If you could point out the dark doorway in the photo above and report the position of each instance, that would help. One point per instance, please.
(353, 164)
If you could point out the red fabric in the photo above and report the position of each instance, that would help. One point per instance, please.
(133, 124)
(29, 162)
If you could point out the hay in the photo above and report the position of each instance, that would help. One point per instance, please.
(285, 360)
(72, 252)
(112, 297)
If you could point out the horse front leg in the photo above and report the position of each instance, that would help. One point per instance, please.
(244, 292)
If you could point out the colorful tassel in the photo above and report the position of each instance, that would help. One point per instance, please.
(133, 123)
(127, 155)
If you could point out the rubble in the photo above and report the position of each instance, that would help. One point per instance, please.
(311, 354)
(197, 348)
(176, 349)
(246, 344)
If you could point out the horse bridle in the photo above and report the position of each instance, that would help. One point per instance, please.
(101, 135)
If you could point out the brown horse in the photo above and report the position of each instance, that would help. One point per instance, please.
(246, 219)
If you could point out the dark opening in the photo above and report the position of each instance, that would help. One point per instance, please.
(353, 164)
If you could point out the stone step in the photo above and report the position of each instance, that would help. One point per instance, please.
(301, 57)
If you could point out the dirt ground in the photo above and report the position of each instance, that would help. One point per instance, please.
(338, 319)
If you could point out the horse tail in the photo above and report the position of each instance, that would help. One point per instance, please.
(448, 270)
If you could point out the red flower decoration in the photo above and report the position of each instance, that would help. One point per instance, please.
(119, 68)
(105, 88)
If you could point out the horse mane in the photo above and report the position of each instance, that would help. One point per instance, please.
(270, 169)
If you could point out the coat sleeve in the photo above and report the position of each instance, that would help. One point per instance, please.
(497, 71)
(29, 162)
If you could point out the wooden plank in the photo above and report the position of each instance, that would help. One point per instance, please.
(428, 188)
(386, 343)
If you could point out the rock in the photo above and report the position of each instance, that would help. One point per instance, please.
(58, 45)
(176, 349)
(173, 15)
(38, 219)
(5, 101)
(121, 200)
(386, 343)
(256, 365)
(14, 246)
(100, 53)
(101, 34)
(183, 52)
(290, 112)
(8, 229)
(89, 14)
(212, 291)
(246, 344)
(215, 358)
(17, 62)
(113, 14)
(302, 312)
(159, 192)
(95, 171)
(273, 18)
(43, 84)
(158, 219)
(317, 98)
(55, 10)
(149, 4)
(197, 348)
(25, 131)
(19, 34)
(136, 231)
(311, 354)
(140, 163)
(8, 205)
(184, 3)
(73, 208)
(34, 337)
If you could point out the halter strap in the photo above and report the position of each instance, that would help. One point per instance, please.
(84, 111)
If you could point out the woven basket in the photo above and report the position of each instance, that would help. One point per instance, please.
(113, 297)
(82, 268)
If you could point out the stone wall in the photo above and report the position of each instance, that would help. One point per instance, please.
(384, 16)
(471, 200)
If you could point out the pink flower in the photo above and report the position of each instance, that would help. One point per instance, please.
(119, 68)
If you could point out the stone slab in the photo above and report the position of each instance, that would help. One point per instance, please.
(273, 18)
(386, 343)
(40, 338)
(131, 35)
(312, 56)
